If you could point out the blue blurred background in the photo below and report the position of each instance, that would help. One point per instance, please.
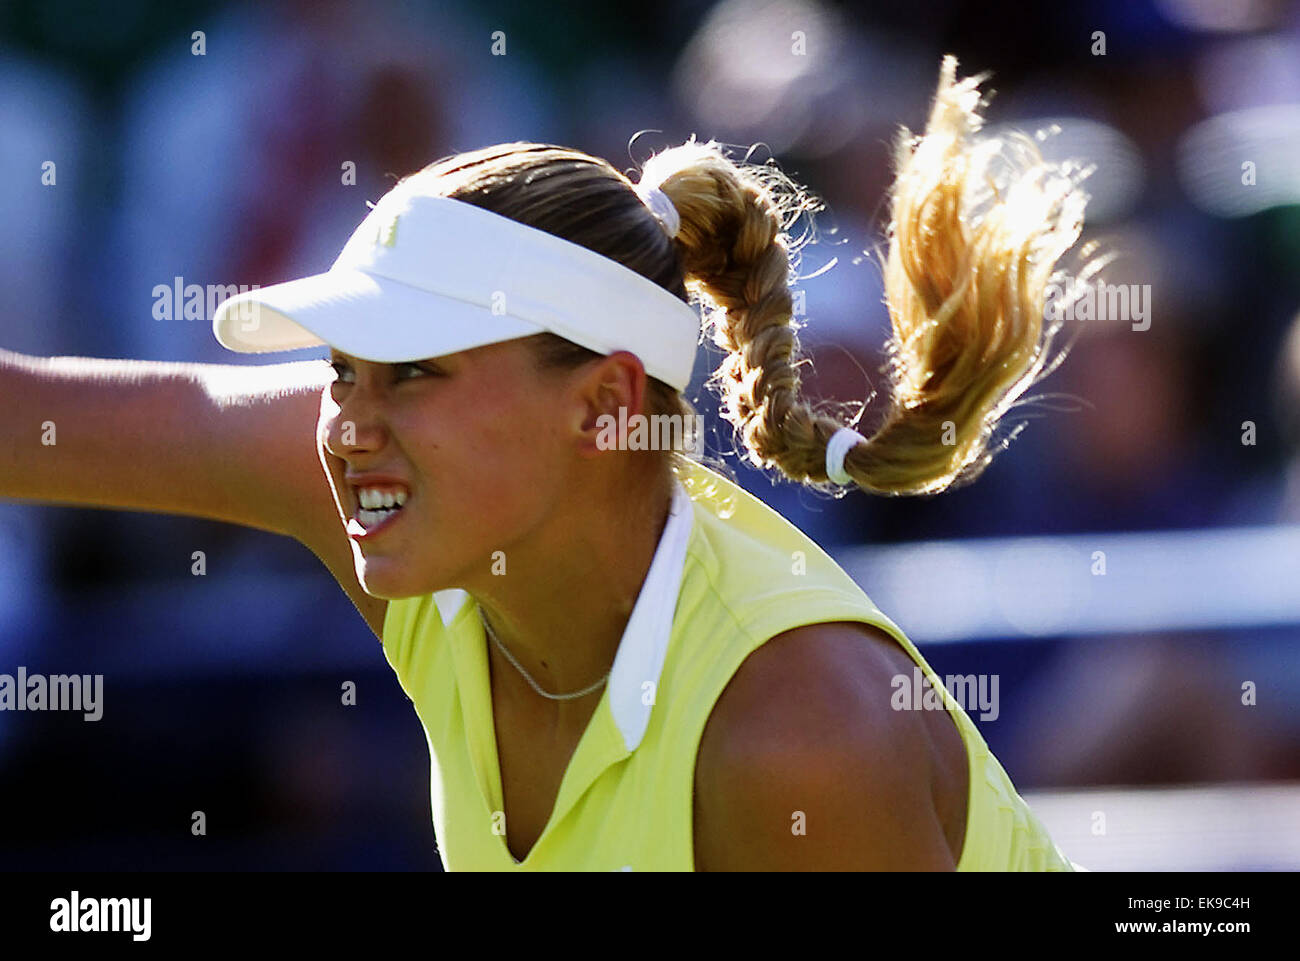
(222, 693)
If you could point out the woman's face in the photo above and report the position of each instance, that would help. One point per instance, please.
(471, 444)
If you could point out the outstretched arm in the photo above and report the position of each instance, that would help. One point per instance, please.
(227, 443)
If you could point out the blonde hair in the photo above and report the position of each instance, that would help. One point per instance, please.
(976, 231)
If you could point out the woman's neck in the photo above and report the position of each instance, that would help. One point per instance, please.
(564, 602)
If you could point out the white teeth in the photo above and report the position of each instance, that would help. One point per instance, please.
(372, 498)
(375, 505)
(369, 519)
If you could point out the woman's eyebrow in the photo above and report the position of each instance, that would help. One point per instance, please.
(337, 356)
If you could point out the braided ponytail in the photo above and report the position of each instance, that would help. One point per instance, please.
(971, 256)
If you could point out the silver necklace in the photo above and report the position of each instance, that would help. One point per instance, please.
(520, 668)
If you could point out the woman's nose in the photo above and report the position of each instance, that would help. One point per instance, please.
(353, 426)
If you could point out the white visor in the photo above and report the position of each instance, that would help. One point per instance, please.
(424, 276)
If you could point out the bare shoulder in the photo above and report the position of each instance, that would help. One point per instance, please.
(805, 765)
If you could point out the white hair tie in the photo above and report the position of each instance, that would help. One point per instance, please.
(662, 207)
(841, 442)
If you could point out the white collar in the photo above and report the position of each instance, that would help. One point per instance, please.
(634, 677)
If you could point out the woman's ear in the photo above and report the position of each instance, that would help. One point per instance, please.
(607, 394)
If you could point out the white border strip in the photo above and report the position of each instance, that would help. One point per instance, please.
(1052, 586)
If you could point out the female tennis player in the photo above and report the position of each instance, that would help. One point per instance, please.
(621, 659)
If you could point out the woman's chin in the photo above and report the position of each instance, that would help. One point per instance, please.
(383, 580)
(389, 581)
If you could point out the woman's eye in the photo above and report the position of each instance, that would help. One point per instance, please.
(344, 374)
(411, 371)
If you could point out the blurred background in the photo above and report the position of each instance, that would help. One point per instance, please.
(1174, 451)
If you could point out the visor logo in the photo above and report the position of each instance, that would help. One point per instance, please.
(386, 235)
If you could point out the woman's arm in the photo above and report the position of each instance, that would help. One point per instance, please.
(805, 735)
(228, 443)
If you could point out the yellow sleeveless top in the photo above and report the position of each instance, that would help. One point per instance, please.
(722, 582)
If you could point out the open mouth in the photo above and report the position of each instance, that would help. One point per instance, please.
(377, 506)
(372, 519)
